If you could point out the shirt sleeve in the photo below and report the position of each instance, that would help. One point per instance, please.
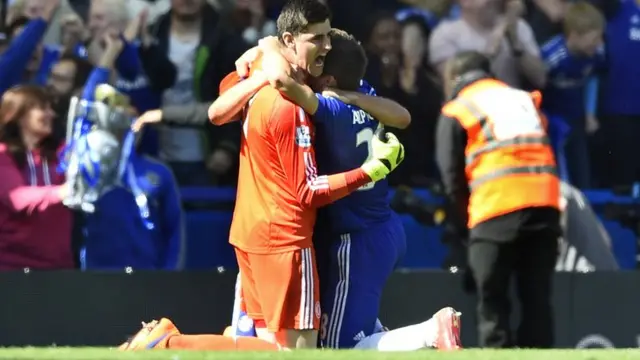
(451, 140)
(228, 82)
(291, 132)
(442, 45)
(551, 56)
(19, 197)
(528, 39)
(329, 109)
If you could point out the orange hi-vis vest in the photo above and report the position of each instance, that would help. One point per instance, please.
(509, 162)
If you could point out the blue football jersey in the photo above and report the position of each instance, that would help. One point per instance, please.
(620, 86)
(344, 133)
(567, 76)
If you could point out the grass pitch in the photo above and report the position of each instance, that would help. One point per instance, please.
(108, 354)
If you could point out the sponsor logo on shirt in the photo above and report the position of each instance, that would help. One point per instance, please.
(303, 136)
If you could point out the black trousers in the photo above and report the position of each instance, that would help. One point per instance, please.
(531, 258)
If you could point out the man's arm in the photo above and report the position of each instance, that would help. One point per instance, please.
(525, 48)
(387, 111)
(553, 9)
(300, 94)
(230, 103)
(192, 114)
(451, 140)
(291, 134)
(442, 46)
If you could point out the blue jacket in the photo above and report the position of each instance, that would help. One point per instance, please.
(14, 60)
(134, 82)
(115, 235)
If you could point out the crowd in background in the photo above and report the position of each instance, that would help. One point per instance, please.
(169, 56)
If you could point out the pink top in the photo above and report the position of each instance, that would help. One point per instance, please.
(35, 228)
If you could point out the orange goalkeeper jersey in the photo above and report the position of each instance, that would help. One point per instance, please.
(278, 186)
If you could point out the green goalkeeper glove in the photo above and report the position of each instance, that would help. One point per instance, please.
(386, 154)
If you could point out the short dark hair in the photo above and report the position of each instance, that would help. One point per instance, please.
(83, 68)
(297, 15)
(469, 61)
(347, 60)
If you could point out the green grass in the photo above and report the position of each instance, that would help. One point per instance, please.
(107, 354)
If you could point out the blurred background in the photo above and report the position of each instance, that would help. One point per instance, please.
(172, 54)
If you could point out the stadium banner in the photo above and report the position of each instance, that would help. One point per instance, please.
(68, 308)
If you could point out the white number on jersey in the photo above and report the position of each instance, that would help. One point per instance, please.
(365, 136)
(512, 113)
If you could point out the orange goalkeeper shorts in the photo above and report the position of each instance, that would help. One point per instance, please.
(281, 289)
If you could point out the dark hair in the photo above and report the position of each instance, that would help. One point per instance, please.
(83, 69)
(418, 21)
(372, 21)
(297, 15)
(469, 61)
(347, 60)
(14, 105)
(19, 22)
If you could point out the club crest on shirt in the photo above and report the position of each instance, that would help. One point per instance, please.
(152, 178)
(303, 136)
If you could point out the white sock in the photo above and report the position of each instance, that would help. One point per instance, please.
(408, 338)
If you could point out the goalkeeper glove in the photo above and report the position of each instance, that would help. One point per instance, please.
(386, 154)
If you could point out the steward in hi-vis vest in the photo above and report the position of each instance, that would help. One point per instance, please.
(500, 178)
(509, 162)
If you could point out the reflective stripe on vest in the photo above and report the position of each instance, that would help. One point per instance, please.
(491, 142)
(543, 169)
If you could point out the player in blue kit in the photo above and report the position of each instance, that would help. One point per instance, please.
(358, 239)
(362, 238)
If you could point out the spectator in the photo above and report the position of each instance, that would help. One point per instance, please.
(204, 49)
(545, 18)
(67, 77)
(499, 33)
(126, 232)
(571, 59)
(36, 227)
(33, 9)
(620, 108)
(19, 62)
(140, 56)
(353, 16)
(418, 89)
(250, 20)
(431, 11)
(15, 29)
(73, 39)
(383, 52)
(191, 115)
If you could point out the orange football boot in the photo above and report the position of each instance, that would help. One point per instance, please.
(153, 335)
(448, 322)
